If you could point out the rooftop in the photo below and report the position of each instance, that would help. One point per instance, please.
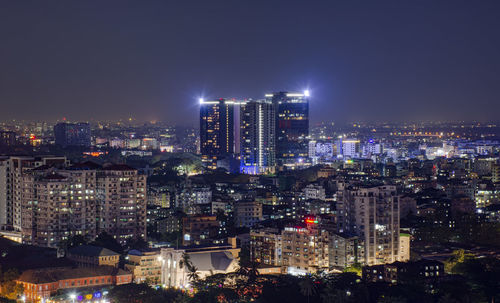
(93, 251)
(48, 275)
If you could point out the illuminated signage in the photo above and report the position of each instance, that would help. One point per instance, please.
(311, 221)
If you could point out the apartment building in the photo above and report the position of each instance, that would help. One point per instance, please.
(305, 249)
(121, 195)
(12, 170)
(315, 192)
(47, 200)
(59, 204)
(345, 251)
(372, 214)
(199, 229)
(246, 214)
(266, 246)
(145, 265)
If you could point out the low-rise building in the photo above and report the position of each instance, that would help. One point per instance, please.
(305, 250)
(199, 229)
(40, 284)
(315, 192)
(91, 256)
(429, 270)
(145, 265)
(246, 214)
(170, 223)
(404, 247)
(266, 246)
(345, 251)
(207, 260)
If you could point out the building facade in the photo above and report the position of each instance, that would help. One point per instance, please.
(61, 204)
(93, 256)
(258, 146)
(372, 214)
(292, 126)
(145, 266)
(199, 229)
(48, 201)
(266, 247)
(72, 134)
(216, 130)
(305, 250)
(316, 192)
(12, 188)
(345, 251)
(246, 214)
(207, 260)
(121, 195)
(41, 284)
(7, 138)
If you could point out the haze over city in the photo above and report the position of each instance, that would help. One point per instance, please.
(361, 60)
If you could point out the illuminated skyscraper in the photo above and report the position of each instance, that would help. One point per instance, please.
(292, 126)
(216, 130)
(258, 137)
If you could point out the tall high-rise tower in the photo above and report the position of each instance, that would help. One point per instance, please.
(292, 126)
(216, 130)
(372, 214)
(258, 146)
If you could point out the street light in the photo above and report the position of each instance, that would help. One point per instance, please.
(23, 298)
(72, 297)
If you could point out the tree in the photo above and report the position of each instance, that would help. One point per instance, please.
(173, 237)
(185, 261)
(333, 295)
(193, 274)
(107, 241)
(250, 271)
(483, 275)
(134, 293)
(74, 241)
(343, 287)
(307, 287)
(456, 290)
(459, 256)
(10, 288)
(392, 300)
(448, 298)
(354, 268)
(137, 243)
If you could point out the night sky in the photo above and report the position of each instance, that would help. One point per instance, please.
(372, 60)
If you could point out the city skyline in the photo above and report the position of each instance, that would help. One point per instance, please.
(249, 151)
(393, 60)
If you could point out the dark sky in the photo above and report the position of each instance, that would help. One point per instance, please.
(152, 59)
